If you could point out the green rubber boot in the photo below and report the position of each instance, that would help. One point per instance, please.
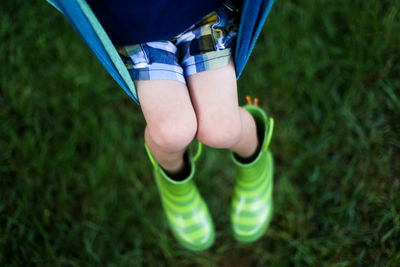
(252, 203)
(187, 213)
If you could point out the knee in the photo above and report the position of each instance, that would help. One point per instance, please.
(220, 131)
(174, 134)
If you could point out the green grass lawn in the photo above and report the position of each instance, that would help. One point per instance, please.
(76, 188)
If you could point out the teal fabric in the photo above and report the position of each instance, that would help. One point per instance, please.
(254, 14)
(89, 28)
(82, 18)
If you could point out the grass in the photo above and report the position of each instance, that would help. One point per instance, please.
(76, 187)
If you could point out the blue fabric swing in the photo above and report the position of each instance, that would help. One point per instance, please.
(82, 18)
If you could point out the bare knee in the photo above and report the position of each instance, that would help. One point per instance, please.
(173, 134)
(220, 131)
(219, 122)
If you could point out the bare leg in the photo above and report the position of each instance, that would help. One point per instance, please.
(171, 121)
(248, 142)
(221, 122)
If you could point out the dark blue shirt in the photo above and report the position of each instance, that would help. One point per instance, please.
(132, 22)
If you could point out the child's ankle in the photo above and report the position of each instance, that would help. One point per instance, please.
(251, 158)
(183, 172)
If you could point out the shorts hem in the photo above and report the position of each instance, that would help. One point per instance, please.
(156, 74)
(207, 64)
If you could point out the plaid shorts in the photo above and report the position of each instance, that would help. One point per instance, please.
(205, 45)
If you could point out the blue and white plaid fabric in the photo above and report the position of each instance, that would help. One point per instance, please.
(204, 46)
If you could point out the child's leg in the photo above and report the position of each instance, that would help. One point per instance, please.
(221, 122)
(170, 118)
(171, 126)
